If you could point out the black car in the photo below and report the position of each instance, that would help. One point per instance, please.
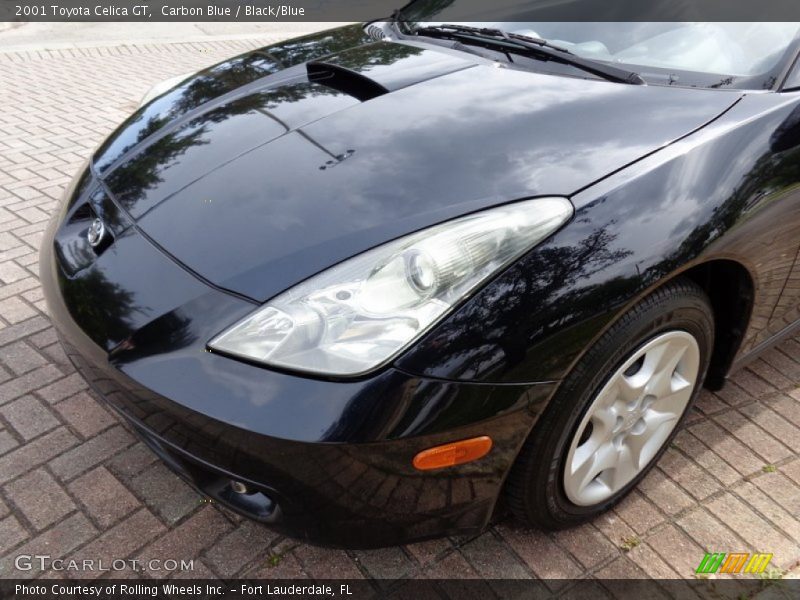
(368, 285)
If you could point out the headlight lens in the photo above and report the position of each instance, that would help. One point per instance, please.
(362, 312)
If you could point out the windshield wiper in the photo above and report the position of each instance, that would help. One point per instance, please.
(531, 47)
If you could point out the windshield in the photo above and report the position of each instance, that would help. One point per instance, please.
(718, 54)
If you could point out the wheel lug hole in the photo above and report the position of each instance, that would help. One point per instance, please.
(639, 426)
(618, 423)
(618, 440)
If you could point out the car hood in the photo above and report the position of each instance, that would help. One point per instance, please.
(256, 176)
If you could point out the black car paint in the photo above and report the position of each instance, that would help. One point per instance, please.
(663, 179)
(438, 125)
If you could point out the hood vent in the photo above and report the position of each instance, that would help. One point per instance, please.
(344, 80)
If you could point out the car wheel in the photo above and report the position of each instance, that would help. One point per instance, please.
(616, 412)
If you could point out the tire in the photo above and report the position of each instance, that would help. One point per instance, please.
(547, 486)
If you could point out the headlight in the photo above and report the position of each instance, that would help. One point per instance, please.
(362, 312)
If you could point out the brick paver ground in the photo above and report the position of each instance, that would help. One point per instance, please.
(75, 483)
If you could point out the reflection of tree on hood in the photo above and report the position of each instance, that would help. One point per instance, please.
(143, 172)
(227, 76)
(376, 54)
(220, 80)
(132, 180)
(300, 50)
(165, 334)
(101, 308)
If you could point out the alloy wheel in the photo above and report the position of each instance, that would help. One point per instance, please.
(631, 417)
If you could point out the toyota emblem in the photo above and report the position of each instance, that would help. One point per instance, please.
(96, 233)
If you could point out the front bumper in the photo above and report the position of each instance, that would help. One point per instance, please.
(330, 462)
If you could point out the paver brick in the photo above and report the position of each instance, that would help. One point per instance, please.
(624, 569)
(738, 456)
(429, 550)
(7, 442)
(40, 498)
(11, 533)
(493, 559)
(791, 348)
(121, 541)
(21, 358)
(777, 425)
(85, 415)
(242, 546)
(285, 567)
(542, 556)
(44, 338)
(166, 493)
(11, 272)
(779, 517)
(639, 513)
(28, 417)
(773, 375)
(55, 542)
(709, 532)
(757, 532)
(753, 436)
(787, 408)
(105, 498)
(132, 461)
(649, 561)
(21, 330)
(326, 563)
(55, 353)
(709, 403)
(199, 570)
(681, 552)
(63, 388)
(35, 453)
(696, 481)
(188, 539)
(586, 544)
(792, 470)
(454, 566)
(664, 493)
(12, 309)
(385, 563)
(705, 457)
(28, 382)
(752, 384)
(781, 489)
(614, 527)
(90, 452)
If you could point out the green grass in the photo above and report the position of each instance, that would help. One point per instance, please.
(629, 543)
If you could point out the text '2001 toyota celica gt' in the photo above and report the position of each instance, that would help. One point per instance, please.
(366, 285)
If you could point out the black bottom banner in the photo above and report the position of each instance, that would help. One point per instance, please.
(412, 589)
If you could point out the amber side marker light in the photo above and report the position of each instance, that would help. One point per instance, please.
(455, 453)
